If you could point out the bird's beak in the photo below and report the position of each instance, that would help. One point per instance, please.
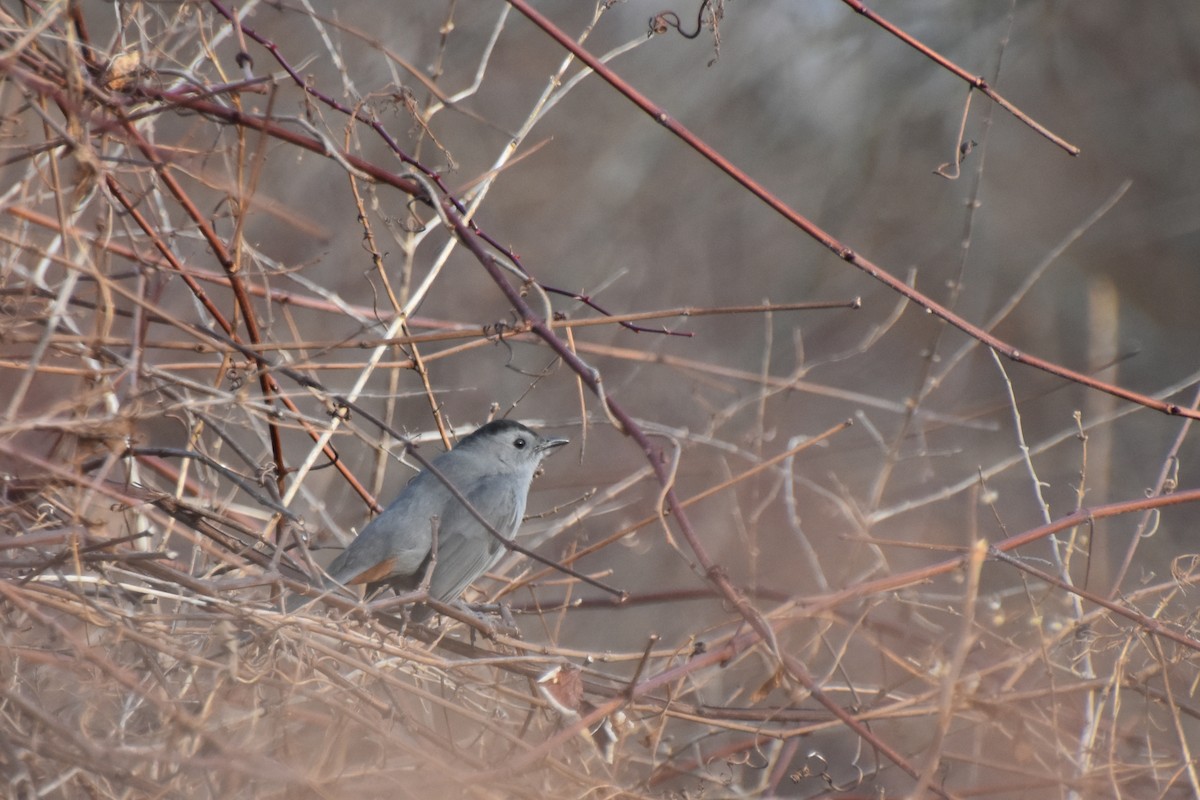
(552, 444)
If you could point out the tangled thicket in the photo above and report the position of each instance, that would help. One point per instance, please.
(245, 264)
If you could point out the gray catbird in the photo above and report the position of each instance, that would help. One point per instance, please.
(491, 469)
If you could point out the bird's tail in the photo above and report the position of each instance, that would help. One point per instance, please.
(295, 601)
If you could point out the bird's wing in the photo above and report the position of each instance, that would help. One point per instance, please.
(396, 543)
(465, 549)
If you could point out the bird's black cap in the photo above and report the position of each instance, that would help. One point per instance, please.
(498, 426)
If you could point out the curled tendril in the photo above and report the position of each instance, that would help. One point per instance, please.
(821, 770)
(496, 332)
(664, 20)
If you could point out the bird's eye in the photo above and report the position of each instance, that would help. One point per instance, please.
(519, 444)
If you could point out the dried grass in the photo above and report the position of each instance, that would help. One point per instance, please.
(187, 410)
